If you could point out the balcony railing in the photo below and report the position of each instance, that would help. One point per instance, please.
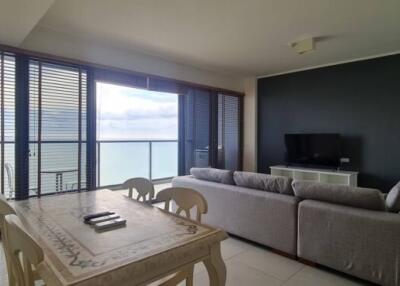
(118, 160)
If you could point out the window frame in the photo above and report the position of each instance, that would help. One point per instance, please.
(112, 74)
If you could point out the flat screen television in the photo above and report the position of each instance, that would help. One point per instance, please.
(313, 150)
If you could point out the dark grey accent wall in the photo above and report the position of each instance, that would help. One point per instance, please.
(359, 100)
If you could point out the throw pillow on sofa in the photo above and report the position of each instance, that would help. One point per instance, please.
(365, 198)
(213, 175)
(393, 199)
(269, 183)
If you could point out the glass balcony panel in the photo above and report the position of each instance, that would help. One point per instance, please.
(120, 161)
(59, 159)
(164, 160)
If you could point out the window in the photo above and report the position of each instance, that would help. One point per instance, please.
(229, 113)
(137, 133)
(7, 123)
(212, 130)
(84, 126)
(197, 134)
(57, 127)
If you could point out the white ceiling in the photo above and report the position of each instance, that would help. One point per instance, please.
(18, 17)
(244, 37)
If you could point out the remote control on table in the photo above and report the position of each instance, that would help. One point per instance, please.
(110, 224)
(88, 217)
(103, 218)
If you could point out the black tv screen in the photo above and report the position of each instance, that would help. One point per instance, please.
(313, 150)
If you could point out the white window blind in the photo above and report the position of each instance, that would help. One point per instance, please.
(57, 135)
(7, 123)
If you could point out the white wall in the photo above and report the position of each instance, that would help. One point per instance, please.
(48, 41)
(250, 125)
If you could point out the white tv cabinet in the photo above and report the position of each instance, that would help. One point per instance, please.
(346, 178)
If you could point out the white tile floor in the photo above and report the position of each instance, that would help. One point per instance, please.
(253, 265)
(249, 264)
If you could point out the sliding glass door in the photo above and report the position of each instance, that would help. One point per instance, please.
(197, 132)
(211, 130)
(57, 127)
(229, 124)
(7, 124)
(55, 137)
(137, 133)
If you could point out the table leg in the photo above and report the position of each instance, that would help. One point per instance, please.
(216, 266)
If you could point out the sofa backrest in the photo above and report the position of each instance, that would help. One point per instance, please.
(364, 198)
(269, 183)
(213, 175)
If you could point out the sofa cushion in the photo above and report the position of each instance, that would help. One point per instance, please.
(269, 183)
(393, 199)
(364, 198)
(213, 175)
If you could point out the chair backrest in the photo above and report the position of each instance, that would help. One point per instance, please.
(23, 251)
(10, 177)
(143, 186)
(5, 209)
(185, 199)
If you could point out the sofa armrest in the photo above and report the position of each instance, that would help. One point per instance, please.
(360, 242)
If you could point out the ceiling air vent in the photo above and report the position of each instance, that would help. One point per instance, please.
(303, 46)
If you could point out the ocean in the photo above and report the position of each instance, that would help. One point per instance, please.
(117, 162)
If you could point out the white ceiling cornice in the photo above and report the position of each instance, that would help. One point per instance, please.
(332, 64)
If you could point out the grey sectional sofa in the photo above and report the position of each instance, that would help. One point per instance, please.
(263, 217)
(351, 232)
(359, 242)
(346, 229)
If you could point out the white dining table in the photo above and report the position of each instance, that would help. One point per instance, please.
(152, 245)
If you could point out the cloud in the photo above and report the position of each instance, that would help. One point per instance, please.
(130, 113)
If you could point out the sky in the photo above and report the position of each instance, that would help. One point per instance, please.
(127, 113)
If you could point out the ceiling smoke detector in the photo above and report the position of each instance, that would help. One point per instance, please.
(303, 46)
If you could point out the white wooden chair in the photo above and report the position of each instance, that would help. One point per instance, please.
(143, 186)
(23, 252)
(5, 209)
(10, 178)
(185, 200)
